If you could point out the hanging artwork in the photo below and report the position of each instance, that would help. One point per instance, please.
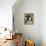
(28, 18)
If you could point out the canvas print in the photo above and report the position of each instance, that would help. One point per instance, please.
(28, 18)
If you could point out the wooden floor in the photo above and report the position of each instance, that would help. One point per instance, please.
(9, 43)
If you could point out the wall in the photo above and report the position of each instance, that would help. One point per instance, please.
(6, 13)
(43, 22)
(29, 31)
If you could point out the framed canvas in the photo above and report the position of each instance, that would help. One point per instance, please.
(28, 18)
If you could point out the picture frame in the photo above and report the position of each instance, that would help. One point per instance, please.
(28, 18)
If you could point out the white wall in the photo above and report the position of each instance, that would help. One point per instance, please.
(43, 22)
(30, 31)
(6, 13)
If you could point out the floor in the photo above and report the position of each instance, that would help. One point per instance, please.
(9, 43)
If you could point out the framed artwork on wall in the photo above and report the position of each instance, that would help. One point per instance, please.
(29, 18)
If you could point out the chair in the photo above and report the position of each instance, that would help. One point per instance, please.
(18, 39)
